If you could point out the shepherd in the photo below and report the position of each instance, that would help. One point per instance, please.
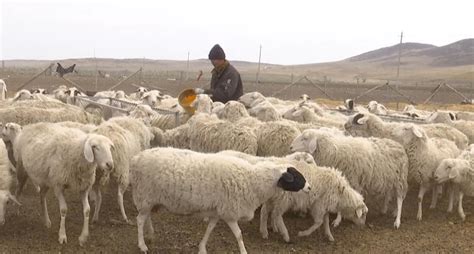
(226, 84)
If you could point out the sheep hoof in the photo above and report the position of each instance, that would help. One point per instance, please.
(336, 223)
(396, 225)
(143, 249)
(331, 238)
(264, 234)
(303, 233)
(47, 224)
(130, 222)
(82, 240)
(62, 239)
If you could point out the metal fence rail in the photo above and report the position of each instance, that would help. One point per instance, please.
(390, 118)
(93, 101)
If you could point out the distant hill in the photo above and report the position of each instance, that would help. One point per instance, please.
(452, 62)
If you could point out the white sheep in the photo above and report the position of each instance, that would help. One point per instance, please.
(141, 132)
(151, 98)
(5, 182)
(466, 116)
(209, 134)
(375, 167)
(223, 187)
(59, 158)
(304, 114)
(332, 194)
(3, 90)
(259, 107)
(125, 147)
(138, 93)
(460, 172)
(60, 93)
(370, 125)
(424, 156)
(466, 127)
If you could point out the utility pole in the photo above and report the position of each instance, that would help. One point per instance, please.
(399, 54)
(187, 68)
(96, 72)
(258, 70)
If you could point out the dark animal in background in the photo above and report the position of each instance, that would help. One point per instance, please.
(61, 71)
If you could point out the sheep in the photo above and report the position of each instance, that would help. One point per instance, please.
(138, 93)
(86, 128)
(466, 116)
(370, 125)
(460, 172)
(5, 183)
(209, 134)
(125, 146)
(260, 107)
(466, 127)
(29, 115)
(22, 95)
(274, 138)
(424, 156)
(377, 108)
(360, 160)
(241, 187)
(233, 111)
(3, 90)
(321, 200)
(177, 137)
(151, 98)
(304, 114)
(59, 158)
(141, 132)
(60, 93)
(332, 193)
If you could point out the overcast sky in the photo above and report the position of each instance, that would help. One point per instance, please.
(290, 32)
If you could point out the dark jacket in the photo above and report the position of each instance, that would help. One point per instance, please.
(226, 85)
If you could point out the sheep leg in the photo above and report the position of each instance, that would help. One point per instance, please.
(44, 205)
(121, 190)
(202, 245)
(143, 215)
(317, 221)
(386, 203)
(453, 191)
(399, 211)
(63, 210)
(264, 220)
(150, 229)
(98, 202)
(281, 226)
(434, 197)
(86, 211)
(327, 228)
(337, 221)
(460, 209)
(238, 235)
(274, 222)
(421, 193)
(21, 178)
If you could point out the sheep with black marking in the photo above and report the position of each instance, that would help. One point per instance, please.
(375, 167)
(224, 187)
(57, 157)
(424, 156)
(331, 194)
(370, 125)
(466, 127)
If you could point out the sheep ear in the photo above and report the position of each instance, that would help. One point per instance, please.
(452, 174)
(313, 144)
(417, 132)
(88, 153)
(144, 96)
(13, 198)
(363, 120)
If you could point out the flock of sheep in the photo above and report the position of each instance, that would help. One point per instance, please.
(227, 160)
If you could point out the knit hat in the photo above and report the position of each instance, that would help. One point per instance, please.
(216, 53)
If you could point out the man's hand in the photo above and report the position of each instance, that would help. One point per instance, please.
(199, 90)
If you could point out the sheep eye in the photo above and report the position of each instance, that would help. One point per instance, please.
(95, 147)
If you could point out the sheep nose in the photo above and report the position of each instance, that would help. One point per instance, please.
(346, 126)
(291, 148)
(109, 165)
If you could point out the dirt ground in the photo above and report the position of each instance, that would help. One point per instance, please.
(25, 233)
(438, 232)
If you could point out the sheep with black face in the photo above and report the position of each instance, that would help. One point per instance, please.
(223, 187)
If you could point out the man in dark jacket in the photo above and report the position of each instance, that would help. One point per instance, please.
(226, 83)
